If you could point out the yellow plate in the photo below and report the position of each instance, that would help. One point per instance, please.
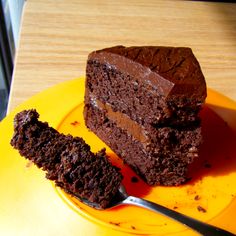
(31, 205)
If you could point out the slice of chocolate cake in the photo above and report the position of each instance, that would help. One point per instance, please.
(144, 103)
(67, 160)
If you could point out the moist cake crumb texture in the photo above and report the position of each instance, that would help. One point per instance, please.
(67, 160)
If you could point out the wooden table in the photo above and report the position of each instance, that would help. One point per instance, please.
(56, 37)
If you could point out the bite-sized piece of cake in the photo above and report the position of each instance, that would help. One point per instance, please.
(144, 103)
(66, 159)
(152, 85)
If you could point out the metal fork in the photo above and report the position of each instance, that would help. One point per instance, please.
(123, 198)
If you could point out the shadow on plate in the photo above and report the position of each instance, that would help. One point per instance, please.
(134, 185)
(217, 154)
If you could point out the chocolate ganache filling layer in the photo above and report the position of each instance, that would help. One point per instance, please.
(122, 120)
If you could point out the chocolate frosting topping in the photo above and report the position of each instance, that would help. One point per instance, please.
(172, 71)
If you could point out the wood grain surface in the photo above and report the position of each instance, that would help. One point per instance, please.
(56, 37)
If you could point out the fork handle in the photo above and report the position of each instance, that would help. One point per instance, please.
(200, 227)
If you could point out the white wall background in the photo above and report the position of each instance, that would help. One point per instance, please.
(12, 12)
(15, 10)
